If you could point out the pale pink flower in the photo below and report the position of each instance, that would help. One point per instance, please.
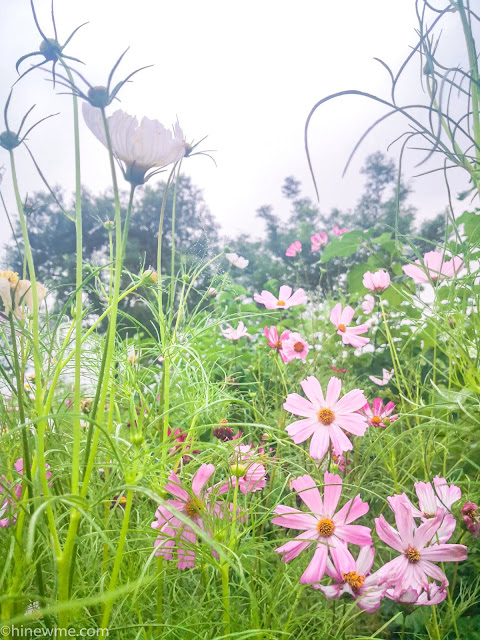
(377, 281)
(434, 266)
(385, 379)
(368, 304)
(318, 240)
(275, 341)
(329, 531)
(418, 549)
(338, 232)
(236, 260)
(293, 249)
(378, 415)
(432, 499)
(247, 471)
(434, 594)
(325, 417)
(195, 504)
(341, 463)
(295, 347)
(285, 298)
(471, 518)
(350, 335)
(235, 334)
(355, 579)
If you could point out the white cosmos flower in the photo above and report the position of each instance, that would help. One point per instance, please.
(141, 146)
(236, 260)
(5, 294)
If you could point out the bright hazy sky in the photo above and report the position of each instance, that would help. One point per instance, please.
(245, 74)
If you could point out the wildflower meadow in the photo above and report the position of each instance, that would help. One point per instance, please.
(296, 457)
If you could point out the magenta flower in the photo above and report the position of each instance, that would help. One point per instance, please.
(350, 335)
(326, 417)
(275, 341)
(247, 472)
(334, 368)
(434, 266)
(418, 549)
(329, 531)
(295, 347)
(174, 535)
(471, 518)
(377, 281)
(293, 249)
(338, 232)
(318, 240)
(285, 298)
(434, 594)
(11, 495)
(235, 334)
(355, 579)
(378, 415)
(384, 380)
(368, 304)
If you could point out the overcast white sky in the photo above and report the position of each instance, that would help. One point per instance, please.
(244, 73)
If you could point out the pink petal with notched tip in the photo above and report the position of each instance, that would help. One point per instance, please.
(340, 442)
(307, 489)
(313, 390)
(320, 441)
(298, 297)
(293, 518)
(299, 406)
(293, 548)
(285, 292)
(350, 511)
(333, 391)
(445, 553)
(201, 477)
(387, 534)
(316, 568)
(353, 423)
(351, 401)
(335, 314)
(302, 429)
(174, 487)
(354, 533)
(347, 315)
(332, 491)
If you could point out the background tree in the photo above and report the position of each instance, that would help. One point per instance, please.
(52, 236)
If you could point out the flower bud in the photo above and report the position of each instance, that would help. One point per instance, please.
(109, 225)
(99, 97)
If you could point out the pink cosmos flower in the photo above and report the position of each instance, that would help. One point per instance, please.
(353, 578)
(275, 341)
(295, 347)
(329, 531)
(235, 334)
(418, 549)
(248, 473)
(326, 417)
(341, 463)
(434, 594)
(318, 240)
(434, 266)
(432, 499)
(368, 304)
(377, 281)
(293, 249)
(285, 298)
(338, 232)
(378, 415)
(174, 535)
(471, 518)
(350, 335)
(384, 380)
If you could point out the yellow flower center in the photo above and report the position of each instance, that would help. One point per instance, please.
(325, 527)
(298, 347)
(11, 276)
(376, 420)
(278, 345)
(354, 579)
(326, 416)
(194, 507)
(412, 555)
(342, 328)
(281, 303)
